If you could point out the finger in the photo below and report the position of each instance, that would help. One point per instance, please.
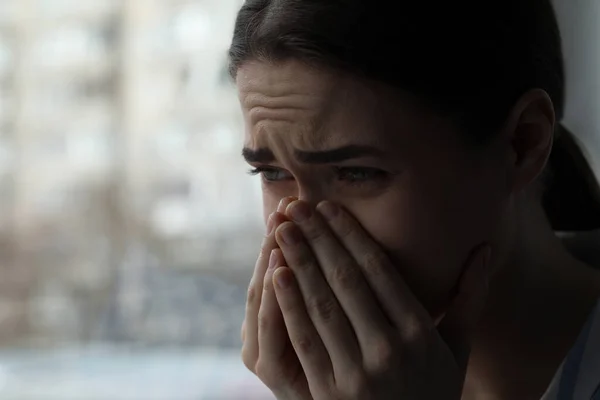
(284, 203)
(399, 304)
(305, 339)
(255, 288)
(272, 334)
(278, 366)
(344, 276)
(323, 308)
(461, 318)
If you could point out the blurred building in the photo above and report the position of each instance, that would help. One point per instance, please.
(119, 163)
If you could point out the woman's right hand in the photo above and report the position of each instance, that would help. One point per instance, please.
(265, 339)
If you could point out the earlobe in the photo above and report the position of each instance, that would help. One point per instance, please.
(532, 122)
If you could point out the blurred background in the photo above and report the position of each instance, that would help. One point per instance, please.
(128, 228)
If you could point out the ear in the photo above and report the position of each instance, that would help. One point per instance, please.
(530, 131)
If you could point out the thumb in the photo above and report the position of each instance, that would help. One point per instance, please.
(461, 318)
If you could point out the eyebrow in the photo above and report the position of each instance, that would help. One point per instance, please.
(261, 155)
(265, 155)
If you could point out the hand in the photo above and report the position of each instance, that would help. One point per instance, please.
(267, 350)
(357, 330)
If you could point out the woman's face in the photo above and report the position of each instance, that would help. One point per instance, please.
(412, 181)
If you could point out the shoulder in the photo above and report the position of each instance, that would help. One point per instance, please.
(579, 376)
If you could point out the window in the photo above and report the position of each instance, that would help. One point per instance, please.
(122, 165)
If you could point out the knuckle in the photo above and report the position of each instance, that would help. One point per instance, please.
(303, 344)
(267, 286)
(288, 307)
(251, 294)
(263, 322)
(265, 241)
(381, 356)
(303, 260)
(249, 359)
(344, 228)
(267, 373)
(322, 308)
(264, 254)
(314, 233)
(374, 263)
(346, 276)
(261, 370)
(413, 331)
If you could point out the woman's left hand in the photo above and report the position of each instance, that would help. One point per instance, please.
(358, 331)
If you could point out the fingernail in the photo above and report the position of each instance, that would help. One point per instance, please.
(299, 211)
(281, 206)
(328, 209)
(283, 278)
(270, 224)
(290, 235)
(272, 259)
(284, 203)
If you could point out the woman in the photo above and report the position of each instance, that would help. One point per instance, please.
(414, 175)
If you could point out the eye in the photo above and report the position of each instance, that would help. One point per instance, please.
(271, 174)
(358, 175)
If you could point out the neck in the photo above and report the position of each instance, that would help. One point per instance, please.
(540, 297)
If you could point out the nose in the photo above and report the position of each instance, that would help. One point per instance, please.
(312, 196)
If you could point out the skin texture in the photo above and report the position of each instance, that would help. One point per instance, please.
(429, 201)
(435, 182)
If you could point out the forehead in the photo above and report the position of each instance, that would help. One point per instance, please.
(284, 79)
(321, 105)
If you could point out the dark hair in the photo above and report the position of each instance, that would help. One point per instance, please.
(469, 59)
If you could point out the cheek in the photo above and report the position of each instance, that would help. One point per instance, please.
(429, 232)
(270, 204)
(272, 195)
(424, 249)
